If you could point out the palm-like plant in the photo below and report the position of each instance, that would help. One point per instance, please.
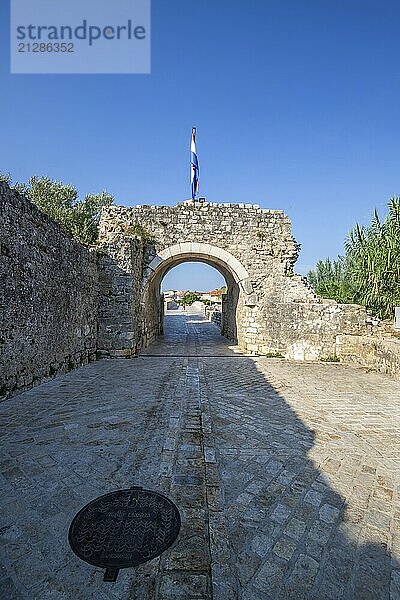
(369, 273)
(374, 262)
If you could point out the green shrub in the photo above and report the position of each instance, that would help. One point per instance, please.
(330, 358)
(78, 217)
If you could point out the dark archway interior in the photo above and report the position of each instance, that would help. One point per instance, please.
(153, 304)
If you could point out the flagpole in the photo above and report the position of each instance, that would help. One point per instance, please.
(194, 166)
(194, 138)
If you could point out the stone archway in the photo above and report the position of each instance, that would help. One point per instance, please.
(276, 312)
(239, 286)
(202, 252)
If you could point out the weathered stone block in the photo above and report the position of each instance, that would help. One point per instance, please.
(373, 352)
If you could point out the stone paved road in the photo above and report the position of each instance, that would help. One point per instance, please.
(286, 474)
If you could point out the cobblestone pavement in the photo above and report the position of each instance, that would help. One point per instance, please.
(286, 474)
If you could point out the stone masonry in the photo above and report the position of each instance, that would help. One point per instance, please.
(62, 305)
(120, 275)
(373, 352)
(267, 309)
(48, 297)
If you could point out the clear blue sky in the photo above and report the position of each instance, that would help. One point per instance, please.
(296, 104)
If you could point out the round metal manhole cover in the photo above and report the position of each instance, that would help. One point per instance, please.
(124, 529)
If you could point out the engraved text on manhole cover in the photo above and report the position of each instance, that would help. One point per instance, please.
(124, 529)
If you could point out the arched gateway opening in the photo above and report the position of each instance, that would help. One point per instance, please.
(268, 308)
(235, 275)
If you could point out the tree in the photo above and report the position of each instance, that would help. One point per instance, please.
(369, 273)
(79, 217)
(5, 178)
(189, 298)
(330, 281)
(374, 262)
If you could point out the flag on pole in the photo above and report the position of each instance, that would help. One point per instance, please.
(194, 165)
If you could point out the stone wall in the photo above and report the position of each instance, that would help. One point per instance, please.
(120, 273)
(130, 318)
(372, 352)
(260, 238)
(268, 308)
(216, 318)
(48, 297)
(61, 302)
(230, 309)
(305, 330)
(152, 316)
